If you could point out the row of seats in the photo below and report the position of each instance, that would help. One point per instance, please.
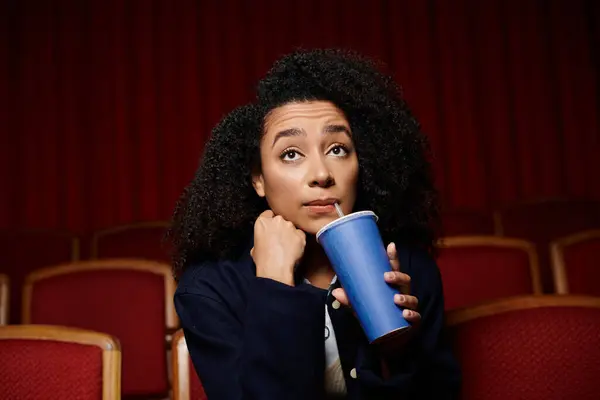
(473, 268)
(130, 240)
(59, 362)
(526, 347)
(480, 268)
(537, 221)
(540, 222)
(96, 295)
(24, 251)
(470, 276)
(129, 299)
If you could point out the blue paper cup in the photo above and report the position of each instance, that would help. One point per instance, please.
(356, 251)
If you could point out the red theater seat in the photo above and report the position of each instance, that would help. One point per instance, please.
(481, 268)
(127, 298)
(576, 263)
(56, 363)
(142, 240)
(186, 384)
(531, 347)
(23, 251)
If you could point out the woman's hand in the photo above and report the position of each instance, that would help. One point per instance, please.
(397, 279)
(278, 245)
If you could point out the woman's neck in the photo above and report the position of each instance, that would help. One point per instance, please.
(315, 265)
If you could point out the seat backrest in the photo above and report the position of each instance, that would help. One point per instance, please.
(482, 268)
(4, 295)
(576, 263)
(52, 362)
(23, 251)
(142, 240)
(467, 222)
(127, 298)
(186, 384)
(546, 220)
(532, 347)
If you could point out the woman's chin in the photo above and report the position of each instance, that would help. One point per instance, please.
(314, 225)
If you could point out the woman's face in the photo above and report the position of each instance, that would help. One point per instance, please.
(308, 162)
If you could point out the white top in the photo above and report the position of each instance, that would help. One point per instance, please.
(334, 376)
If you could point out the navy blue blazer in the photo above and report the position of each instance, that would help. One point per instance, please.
(256, 338)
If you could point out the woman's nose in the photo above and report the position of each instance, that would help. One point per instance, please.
(321, 176)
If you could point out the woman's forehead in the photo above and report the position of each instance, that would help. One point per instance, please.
(307, 110)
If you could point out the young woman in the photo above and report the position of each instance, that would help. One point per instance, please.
(262, 311)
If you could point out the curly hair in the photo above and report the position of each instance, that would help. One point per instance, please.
(215, 215)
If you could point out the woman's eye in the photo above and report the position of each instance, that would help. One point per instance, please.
(338, 151)
(290, 155)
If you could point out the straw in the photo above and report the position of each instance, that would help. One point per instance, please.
(339, 210)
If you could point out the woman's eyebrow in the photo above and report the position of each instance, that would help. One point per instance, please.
(337, 129)
(288, 133)
(301, 132)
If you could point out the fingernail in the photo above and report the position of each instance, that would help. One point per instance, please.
(388, 275)
(399, 298)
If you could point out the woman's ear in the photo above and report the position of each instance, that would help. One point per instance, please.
(259, 184)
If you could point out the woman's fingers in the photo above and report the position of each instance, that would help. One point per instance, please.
(409, 304)
(406, 301)
(401, 281)
(411, 316)
(340, 295)
(398, 279)
(393, 256)
(394, 278)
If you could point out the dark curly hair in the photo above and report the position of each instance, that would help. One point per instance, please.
(215, 215)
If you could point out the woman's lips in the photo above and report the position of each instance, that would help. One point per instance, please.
(321, 209)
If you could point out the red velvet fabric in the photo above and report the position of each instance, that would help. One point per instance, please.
(472, 274)
(582, 265)
(22, 251)
(460, 222)
(127, 304)
(49, 370)
(537, 354)
(108, 103)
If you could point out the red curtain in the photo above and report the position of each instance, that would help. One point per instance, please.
(109, 103)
